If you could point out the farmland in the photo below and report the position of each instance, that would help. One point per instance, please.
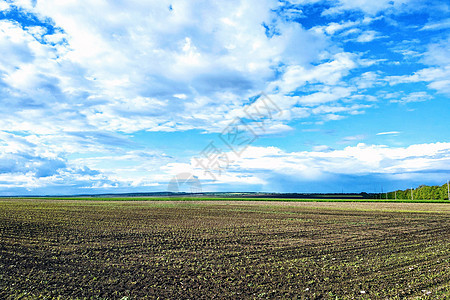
(75, 249)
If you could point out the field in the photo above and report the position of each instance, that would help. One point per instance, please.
(72, 249)
(202, 198)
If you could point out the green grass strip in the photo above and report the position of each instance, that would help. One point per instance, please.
(227, 199)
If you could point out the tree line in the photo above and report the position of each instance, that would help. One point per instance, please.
(423, 192)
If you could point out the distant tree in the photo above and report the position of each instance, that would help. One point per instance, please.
(423, 192)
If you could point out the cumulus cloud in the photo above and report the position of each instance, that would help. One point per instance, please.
(215, 64)
(76, 84)
(27, 163)
(76, 160)
(73, 71)
(167, 78)
(323, 162)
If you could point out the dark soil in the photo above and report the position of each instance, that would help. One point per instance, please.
(112, 250)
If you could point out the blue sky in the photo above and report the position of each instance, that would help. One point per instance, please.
(123, 96)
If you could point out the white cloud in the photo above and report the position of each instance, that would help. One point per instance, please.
(123, 70)
(322, 148)
(368, 36)
(353, 138)
(351, 28)
(437, 75)
(437, 53)
(437, 78)
(331, 117)
(414, 97)
(412, 161)
(337, 108)
(79, 160)
(213, 56)
(37, 31)
(333, 27)
(368, 80)
(4, 6)
(443, 24)
(329, 73)
(367, 6)
(70, 82)
(388, 133)
(328, 95)
(181, 96)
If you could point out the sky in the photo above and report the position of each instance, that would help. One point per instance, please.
(258, 95)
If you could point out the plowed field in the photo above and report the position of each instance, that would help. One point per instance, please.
(112, 250)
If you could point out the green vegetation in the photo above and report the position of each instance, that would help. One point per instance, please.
(193, 198)
(54, 249)
(422, 192)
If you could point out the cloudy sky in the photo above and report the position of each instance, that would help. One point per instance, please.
(256, 95)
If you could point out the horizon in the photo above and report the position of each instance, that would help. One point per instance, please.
(299, 96)
(184, 190)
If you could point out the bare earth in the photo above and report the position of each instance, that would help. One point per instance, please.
(68, 249)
